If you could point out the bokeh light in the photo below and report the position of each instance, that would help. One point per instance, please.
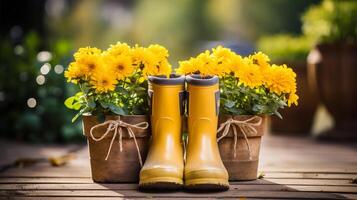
(31, 102)
(44, 56)
(45, 69)
(59, 69)
(40, 79)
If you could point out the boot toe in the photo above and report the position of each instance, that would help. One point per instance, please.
(207, 179)
(161, 175)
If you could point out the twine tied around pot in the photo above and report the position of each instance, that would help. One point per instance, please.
(117, 126)
(246, 126)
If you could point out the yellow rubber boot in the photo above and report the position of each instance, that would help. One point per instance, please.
(164, 165)
(204, 168)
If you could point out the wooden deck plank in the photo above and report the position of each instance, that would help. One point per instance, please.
(71, 171)
(331, 182)
(11, 151)
(279, 153)
(119, 198)
(310, 175)
(343, 197)
(294, 168)
(135, 193)
(251, 187)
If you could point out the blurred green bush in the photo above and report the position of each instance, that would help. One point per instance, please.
(32, 91)
(285, 47)
(328, 22)
(331, 21)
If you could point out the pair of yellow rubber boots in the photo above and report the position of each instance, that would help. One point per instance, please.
(165, 166)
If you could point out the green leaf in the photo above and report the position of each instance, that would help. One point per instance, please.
(74, 102)
(234, 111)
(278, 114)
(229, 103)
(138, 89)
(138, 110)
(121, 90)
(80, 113)
(116, 109)
(281, 103)
(69, 102)
(257, 108)
(78, 95)
(104, 104)
(91, 104)
(84, 88)
(77, 105)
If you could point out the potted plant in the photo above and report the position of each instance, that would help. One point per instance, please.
(293, 51)
(113, 101)
(332, 63)
(250, 89)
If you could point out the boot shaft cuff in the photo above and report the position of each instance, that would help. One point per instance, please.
(173, 79)
(196, 79)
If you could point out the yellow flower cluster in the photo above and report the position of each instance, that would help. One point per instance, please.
(252, 71)
(103, 69)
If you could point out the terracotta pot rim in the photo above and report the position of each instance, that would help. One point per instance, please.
(111, 115)
(228, 115)
(242, 137)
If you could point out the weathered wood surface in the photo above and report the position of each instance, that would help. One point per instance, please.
(293, 168)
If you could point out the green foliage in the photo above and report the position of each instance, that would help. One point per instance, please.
(181, 25)
(332, 21)
(129, 98)
(19, 69)
(243, 100)
(284, 47)
(265, 17)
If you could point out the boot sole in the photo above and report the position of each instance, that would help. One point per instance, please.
(166, 183)
(207, 184)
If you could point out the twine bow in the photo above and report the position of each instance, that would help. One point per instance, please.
(246, 126)
(117, 126)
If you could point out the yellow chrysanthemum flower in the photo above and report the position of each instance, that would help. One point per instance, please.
(217, 68)
(208, 64)
(87, 60)
(250, 75)
(118, 49)
(281, 79)
(73, 73)
(151, 61)
(236, 63)
(222, 54)
(164, 68)
(186, 67)
(103, 80)
(86, 51)
(120, 65)
(159, 55)
(142, 57)
(224, 58)
(260, 59)
(151, 70)
(293, 99)
(89, 63)
(159, 51)
(204, 63)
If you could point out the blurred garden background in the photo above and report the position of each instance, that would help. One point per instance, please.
(38, 38)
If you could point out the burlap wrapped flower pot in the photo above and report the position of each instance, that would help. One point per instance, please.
(117, 147)
(239, 140)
